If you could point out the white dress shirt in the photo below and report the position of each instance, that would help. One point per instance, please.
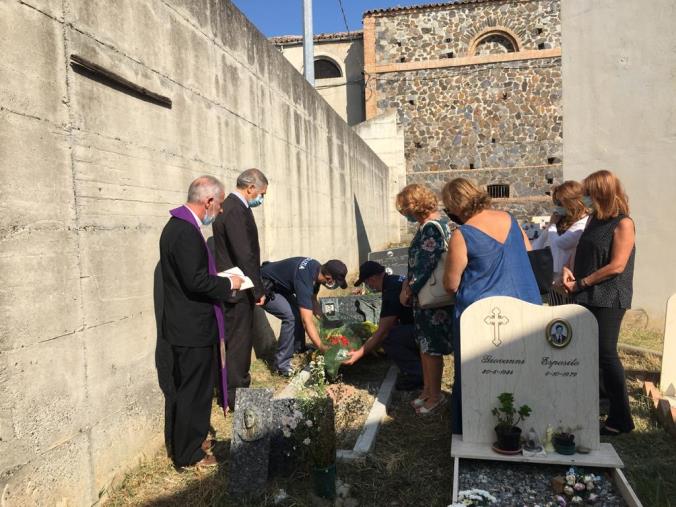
(563, 246)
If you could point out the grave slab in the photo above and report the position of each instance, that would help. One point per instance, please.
(546, 356)
(395, 260)
(250, 443)
(352, 308)
(668, 375)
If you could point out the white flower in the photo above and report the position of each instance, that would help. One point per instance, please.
(589, 485)
(568, 491)
(280, 496)
(588, 478)
(286, 432)
(570, 480)
(308, 423)
(576, 499)
(297, 414)
(286, 420)
(307, 441)
(579, 486)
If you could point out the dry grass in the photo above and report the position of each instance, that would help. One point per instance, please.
(641, 337)
(411, 463)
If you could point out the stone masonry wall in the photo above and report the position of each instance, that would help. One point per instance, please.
(431, 33)
(493, 115)
(88, 174)
(501, 117)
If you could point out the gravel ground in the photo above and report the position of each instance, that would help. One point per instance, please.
(517, 484)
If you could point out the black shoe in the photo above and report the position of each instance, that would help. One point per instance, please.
(610, 432)
(407, 383)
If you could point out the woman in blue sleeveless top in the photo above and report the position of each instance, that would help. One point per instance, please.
(487, 257)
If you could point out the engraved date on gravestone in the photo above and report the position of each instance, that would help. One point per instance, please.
(560, 368)
(499, 365)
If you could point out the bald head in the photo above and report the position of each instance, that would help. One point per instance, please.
(204, 188)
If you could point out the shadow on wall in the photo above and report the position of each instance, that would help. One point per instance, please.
(363, 245)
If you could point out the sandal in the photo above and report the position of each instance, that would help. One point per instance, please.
(424, 411)
(419, 402)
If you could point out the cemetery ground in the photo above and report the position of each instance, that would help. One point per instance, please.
(411, 463)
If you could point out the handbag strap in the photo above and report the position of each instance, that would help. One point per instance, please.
(441, 230)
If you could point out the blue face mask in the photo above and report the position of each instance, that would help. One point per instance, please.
(411, 219)
(208, 219)
(587, 201)
(560, 210)
(253, 203)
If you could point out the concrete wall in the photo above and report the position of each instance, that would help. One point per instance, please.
(88, 175)
(346, 93)
(619, 83)
(386, 138)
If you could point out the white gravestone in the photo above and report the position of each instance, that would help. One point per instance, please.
(668, 376)
(546, 356)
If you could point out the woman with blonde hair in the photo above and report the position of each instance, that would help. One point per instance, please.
(602, 281)
(433, 327)
(487, 257)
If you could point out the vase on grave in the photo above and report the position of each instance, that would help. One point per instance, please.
(324, 481)
(564, 443)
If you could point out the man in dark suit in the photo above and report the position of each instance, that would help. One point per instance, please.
(191, 318)
(236, 242)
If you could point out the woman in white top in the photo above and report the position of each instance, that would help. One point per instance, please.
(565, 228)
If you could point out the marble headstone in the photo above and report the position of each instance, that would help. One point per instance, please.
(547, 356)
(352, 308)
(394, 260)
(668, 376)
(250, 444)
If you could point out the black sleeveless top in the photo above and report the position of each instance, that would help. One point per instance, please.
(592, 253)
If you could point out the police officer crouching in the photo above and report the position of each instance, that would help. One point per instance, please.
(395, 332)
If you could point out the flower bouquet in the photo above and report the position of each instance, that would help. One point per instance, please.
(311, 426)
(341, 341)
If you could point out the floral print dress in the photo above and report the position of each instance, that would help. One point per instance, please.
(433, 327)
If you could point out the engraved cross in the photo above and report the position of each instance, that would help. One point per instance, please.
(496, 319)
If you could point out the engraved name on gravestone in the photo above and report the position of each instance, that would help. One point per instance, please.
(394, 260)
(250, 444)
(668, 376)
(546, 355)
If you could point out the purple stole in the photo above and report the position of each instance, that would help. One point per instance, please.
(183, 213)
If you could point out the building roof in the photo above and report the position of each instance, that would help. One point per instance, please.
(426, 6)
(322, 37)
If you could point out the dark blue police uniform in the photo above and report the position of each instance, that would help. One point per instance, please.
(294, 287)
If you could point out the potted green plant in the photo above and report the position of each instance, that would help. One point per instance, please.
(507, 431)
(564, 441)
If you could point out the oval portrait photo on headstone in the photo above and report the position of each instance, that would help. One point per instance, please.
(558, 333)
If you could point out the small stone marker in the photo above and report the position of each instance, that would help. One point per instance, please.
(668, 376)
(394, 260)
(250, 444)
(546, 356)
(352, 308)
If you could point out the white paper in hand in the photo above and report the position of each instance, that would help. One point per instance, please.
(246, 284)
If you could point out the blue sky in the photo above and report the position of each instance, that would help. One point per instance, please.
(285, 17)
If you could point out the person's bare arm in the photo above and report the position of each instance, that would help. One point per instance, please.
(526, 241)
(307, 317)
(456, 262)
(385, 325)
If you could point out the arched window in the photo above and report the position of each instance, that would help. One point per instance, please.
(494, 40)
(326, 69)
(494, 44)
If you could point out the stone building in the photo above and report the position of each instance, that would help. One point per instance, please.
(339, 69)
(476, 87)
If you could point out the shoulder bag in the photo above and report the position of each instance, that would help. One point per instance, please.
(433, 294)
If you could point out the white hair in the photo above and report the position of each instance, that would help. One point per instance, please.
(204, 188)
